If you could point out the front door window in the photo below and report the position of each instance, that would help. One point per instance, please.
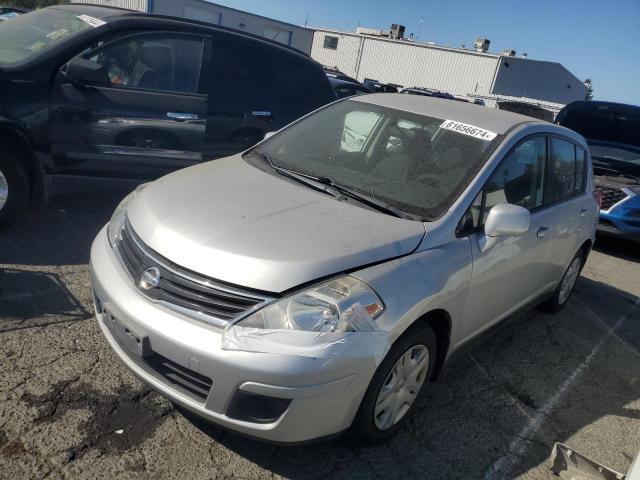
(152, 62)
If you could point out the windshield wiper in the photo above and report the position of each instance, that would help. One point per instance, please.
(367, 200)
(302, 178)
(328, 186)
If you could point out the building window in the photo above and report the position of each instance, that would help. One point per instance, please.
(330, 42)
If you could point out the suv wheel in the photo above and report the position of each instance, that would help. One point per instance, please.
(565, 288)
(14, 188)
(396, 385)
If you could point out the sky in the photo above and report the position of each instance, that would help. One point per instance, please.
(594, 39)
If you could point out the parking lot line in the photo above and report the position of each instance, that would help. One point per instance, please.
(519, 446)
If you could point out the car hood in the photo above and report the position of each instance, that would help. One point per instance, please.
(233, 222)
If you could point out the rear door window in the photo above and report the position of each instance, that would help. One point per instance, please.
(580, 170)
(233, 67)
(561, 181)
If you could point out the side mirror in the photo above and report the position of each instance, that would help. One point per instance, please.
(85, 72)
(504, 220)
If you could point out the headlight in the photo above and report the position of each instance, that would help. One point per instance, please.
(117, 219)
(323, 308)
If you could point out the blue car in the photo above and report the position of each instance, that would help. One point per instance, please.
(613, 133)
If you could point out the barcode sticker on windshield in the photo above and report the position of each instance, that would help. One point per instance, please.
(89, 20)
(470, 130)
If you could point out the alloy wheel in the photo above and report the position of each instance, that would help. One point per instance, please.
(401, 387)
(4, 190)
(569, 280)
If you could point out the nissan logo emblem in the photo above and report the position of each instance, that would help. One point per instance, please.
(150, 278)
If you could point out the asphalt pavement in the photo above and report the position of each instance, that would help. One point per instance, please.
(70, 409)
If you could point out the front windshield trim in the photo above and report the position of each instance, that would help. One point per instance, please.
(418, 212)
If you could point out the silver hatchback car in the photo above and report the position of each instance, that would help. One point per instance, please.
(318, 281)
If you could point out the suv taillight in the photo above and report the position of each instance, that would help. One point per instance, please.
(597, 195)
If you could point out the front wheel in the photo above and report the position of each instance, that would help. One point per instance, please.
(565, 288)
(14, 187)
(396, 385)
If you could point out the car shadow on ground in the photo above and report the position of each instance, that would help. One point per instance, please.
(60, 232)
(40, 297)
(498, 410)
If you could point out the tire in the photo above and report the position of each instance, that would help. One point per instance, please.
(565, 288)
(14, 185)
(373, 425)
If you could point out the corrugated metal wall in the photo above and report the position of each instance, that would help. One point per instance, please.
(410, 65)
(415, 66)
(140, 5)
(463, 73)
(301, 38)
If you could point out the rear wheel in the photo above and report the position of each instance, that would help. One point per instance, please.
(565, 288)
(14, 186)
(396, 386)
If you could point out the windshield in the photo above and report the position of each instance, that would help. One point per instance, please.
(415, 163)
(27, 35)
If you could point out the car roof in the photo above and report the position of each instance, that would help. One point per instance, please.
(498, 121)
(114, 15)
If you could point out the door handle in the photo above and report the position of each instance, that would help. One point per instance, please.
(542, 231)
(182, 117)
(583, 212)
(261, 113)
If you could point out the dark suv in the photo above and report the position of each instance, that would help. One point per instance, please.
(94, 93)
(612, 131)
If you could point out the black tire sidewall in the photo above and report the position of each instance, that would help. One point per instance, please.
(17, 181)
(363, 428)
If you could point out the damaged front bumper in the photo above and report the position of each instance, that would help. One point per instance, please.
(272, 396)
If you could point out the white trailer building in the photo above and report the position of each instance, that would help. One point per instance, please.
(461, 72)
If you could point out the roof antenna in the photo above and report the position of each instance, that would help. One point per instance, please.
(306, 20)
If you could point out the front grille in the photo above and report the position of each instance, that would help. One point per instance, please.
(183, 290)
(611, 196)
